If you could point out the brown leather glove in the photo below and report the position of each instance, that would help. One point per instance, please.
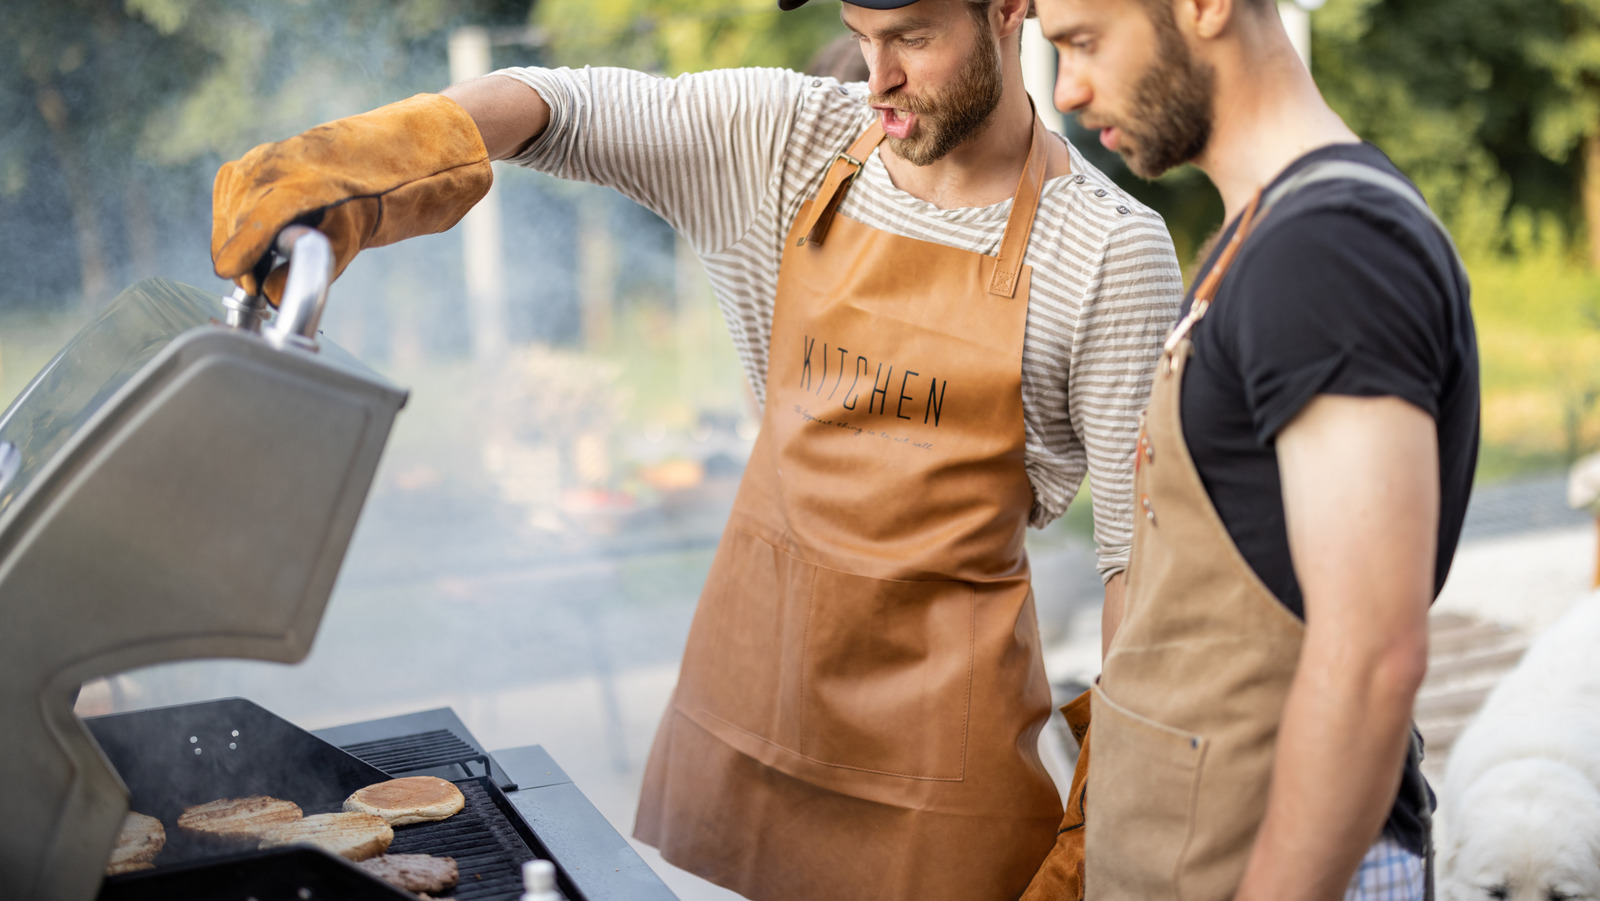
(409, 168)
(1060, 877)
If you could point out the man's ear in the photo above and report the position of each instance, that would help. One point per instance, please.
(1007, 16)
(1204, 19)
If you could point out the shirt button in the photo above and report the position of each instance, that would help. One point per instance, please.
(816, 83)
(1099, 192)
(1123, 210)
(1079, 179)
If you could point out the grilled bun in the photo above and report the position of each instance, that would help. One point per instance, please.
(413, 799)
(353, 836)
(239, 818)
(140, 840)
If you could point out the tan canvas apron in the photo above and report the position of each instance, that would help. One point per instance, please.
(1187, 707)
(861, 695)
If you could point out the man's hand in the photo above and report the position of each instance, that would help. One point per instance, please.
(1361, 498)
(410, 168)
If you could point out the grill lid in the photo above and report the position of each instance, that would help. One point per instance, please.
(178, 489)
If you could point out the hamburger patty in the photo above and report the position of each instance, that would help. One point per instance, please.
(413, 799)
(353, 836)
(239, 818)
(414, 872)
(140, 840)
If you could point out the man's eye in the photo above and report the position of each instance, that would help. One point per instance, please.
(1082, 45)
(913, 42)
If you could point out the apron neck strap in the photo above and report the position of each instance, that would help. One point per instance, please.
(1208, 285)
(1019, 226)
(846, 166)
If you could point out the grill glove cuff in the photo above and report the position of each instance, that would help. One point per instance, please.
(410, 168)
(1060, 877)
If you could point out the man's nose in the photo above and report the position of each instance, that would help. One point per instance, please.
(1072, 89)
(884, 66)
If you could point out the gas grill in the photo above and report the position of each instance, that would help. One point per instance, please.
(180, 482)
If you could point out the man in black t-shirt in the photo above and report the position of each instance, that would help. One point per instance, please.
(1325, 385)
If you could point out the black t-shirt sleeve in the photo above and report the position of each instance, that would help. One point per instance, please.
(1293, 331)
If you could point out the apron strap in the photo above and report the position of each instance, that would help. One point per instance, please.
(1260, 206)
(846, 166)
(1019, 226)
(1208, 285)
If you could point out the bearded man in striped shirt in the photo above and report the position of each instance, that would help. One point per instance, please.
(950, 319)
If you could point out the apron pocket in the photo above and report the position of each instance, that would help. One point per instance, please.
(887, 675)
(743, 655)
(1140, 808)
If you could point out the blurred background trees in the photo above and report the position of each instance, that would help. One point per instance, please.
(114, 115)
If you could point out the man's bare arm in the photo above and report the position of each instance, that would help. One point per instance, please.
(1111, 614)
(509, 114)
(1361, 498)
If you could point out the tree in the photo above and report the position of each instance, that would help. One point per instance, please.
(1490, 105)
(130, 105)
(675, 36)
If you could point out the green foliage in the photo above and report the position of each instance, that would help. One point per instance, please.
(1483, 103)
(115, 111)
(1537, 313)
(675, 36)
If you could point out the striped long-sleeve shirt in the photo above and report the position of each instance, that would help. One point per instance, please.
(727, 157)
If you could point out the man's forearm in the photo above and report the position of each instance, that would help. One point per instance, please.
(1111, 613)
(1360, 491)
(1340, 750)
(509, 114)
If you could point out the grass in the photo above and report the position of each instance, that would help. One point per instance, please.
(1538, 323)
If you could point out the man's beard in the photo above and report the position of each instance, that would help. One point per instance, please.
(1170, 122)
(952, 115)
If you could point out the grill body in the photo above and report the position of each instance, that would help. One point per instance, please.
(185, 490)
(246, 750)
(174, 488)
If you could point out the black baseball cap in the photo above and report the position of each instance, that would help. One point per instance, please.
(869, 4)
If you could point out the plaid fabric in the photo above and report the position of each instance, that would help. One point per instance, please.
(1388, 873)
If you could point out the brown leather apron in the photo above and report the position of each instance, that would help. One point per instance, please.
(861, 695)
(1187, 708)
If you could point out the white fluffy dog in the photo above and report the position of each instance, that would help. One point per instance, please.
(1520, 801)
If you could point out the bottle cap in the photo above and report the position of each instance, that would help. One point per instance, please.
(538, 877)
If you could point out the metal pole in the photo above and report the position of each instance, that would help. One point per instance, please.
(1296, 16)
(1039, 74)
(481, 232)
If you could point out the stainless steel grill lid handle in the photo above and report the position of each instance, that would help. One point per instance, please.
(309, 256)
(305, 292)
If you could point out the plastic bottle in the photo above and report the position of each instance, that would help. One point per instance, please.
(539, 881)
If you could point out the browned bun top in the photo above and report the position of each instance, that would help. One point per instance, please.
(411, 799)
(409, 791)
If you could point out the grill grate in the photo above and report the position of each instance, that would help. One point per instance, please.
(488, 852)
(488, 849)
(424, 750)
